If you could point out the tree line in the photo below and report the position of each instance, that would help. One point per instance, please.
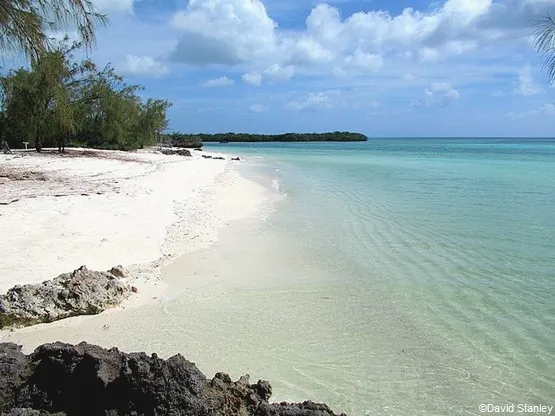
(194, 140)
(57, 100)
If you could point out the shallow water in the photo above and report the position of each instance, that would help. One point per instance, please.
(397, 277)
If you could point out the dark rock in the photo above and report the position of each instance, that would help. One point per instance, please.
(235, 158)
(62, 379)
(207, 156)
(198, 149)
(13, 371)
(180, 152)
(82, 292)
(264, 389)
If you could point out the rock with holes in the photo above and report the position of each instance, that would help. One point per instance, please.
(82, 292)
(82, 380)
(118, 271)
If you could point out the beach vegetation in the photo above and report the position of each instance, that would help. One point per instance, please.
(544, 42)
(58, 101)
(182, 140)
(28, 25)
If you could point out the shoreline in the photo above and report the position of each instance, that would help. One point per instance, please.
(180, 204)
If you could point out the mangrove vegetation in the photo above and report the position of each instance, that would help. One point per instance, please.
(193, 140)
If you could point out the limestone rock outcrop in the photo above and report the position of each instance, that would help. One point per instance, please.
(82, 292)
(179, 152)
(62, 379)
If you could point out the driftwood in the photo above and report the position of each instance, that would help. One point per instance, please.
(9, 202)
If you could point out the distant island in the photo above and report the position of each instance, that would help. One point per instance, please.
(196, 140)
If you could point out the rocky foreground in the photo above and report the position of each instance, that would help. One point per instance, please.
(82, 292)
(66, 380)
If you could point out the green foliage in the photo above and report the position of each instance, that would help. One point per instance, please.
(288, 137)
(18, 98)
(544, 42)
(58, 100)
(182, 140)
(25, 23)
(153, 121)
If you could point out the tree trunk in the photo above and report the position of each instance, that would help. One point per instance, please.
(62, 144)
(38, 141)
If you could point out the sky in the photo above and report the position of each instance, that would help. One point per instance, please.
(385, 68)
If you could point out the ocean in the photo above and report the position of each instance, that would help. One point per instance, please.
(392, 277)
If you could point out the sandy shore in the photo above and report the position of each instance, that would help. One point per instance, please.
(104, 208)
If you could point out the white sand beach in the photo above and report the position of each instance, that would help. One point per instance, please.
(105, 208)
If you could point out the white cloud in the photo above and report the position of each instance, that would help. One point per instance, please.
(252, 78)
(60, 36)
(240, 32)
(304, 50)
(526, 84)
(314, 101)
(271, 75)
(547, 109)
(439, 93)
(223, 32)
(467, 9)
(219, 82)
(276, 73)
(259, 108)
(360, 62)
(143, 65)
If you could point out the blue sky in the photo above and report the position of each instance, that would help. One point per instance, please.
(384, 68)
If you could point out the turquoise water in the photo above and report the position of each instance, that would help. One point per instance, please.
(400, 276)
